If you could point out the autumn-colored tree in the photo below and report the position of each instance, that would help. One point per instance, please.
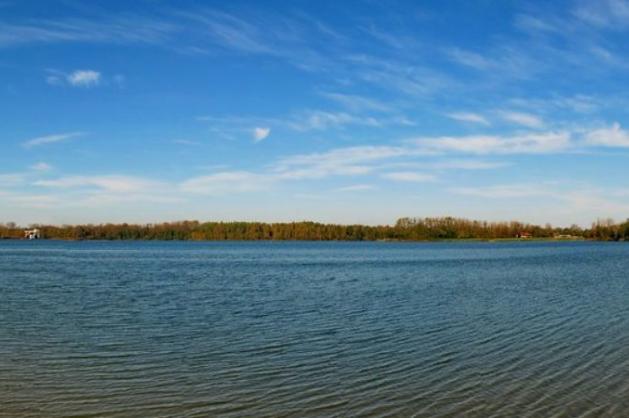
(405, 229)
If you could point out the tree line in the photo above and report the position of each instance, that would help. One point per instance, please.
(405, 229)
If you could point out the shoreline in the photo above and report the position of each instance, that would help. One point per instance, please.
(404, 229)
(453, 240)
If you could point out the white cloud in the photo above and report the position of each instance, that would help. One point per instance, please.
(321, 120)
(524, 119)
(578, 103)
(534, 24)
(439, 165)
(409, 80)
(501, 62)
(409, 176)
(613, 136)
(354, 188)
(597, 203)
(466, 165)
(109, 183)
(577, 204)
(362, 160)
(227, 182)
(50, 139)
(612, 14)
(357, 103)
(345, 156)
(321, 171)
(83, 78)
(41, 166)
(260, 134)
(537, 143)
(233, 32)
(340, 161)
(469, 59)
(503, 191)
(130, 29)
(469, 117)
(185, 142)
(304, 121)
(54, 80)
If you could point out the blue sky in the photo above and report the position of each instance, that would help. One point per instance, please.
(357, 111)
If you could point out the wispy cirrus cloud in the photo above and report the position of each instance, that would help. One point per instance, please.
(233, 32)
(108, 183)
(470, 59)
(228, 182)
(321, 120)
(51, 139)
(578, 103)
(339, 161)
(366, 160)
(613, 136)
(408, 79)
(612, 14)
(535, 24)
(524, 119)
(409, 176)
(196, 31)
(469, 117)
(181, 141)
(504, 191)
(354, 188)
(503, 61)
(41, 166)
(446, 164)
(357, 103)
(573, 42)
(303, 121)
(528, 143)
(287, 37)
(580, 202)
(112, 29)
(467, 165)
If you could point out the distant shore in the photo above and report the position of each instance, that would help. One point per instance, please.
(505, 240)
(405, 229)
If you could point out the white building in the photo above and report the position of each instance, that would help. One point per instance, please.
(32, 234)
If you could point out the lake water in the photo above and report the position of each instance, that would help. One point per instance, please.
(283, 329)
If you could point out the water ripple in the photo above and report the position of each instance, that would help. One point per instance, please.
(95, 329)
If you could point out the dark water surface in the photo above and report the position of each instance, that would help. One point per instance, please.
(168, 329)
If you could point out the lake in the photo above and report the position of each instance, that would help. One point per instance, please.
(304, 329)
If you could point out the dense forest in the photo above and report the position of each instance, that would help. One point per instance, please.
(405, 229)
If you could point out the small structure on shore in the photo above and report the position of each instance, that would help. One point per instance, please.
(565, 236)
(32, 234)
(524, 235)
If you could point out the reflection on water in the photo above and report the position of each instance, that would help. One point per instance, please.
(313, 329)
